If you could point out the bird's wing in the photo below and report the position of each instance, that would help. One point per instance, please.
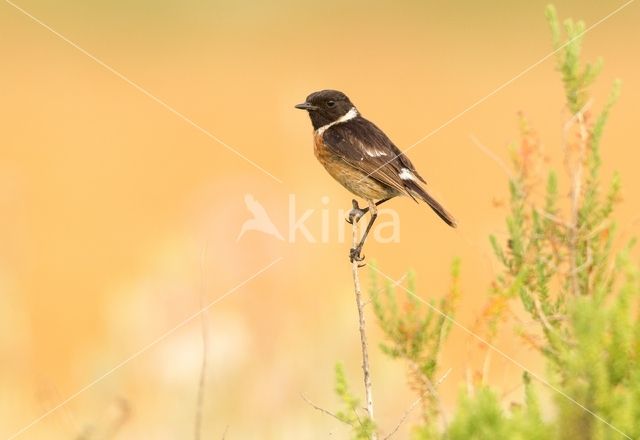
(365, 147)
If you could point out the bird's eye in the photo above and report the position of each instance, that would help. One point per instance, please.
(331, 103)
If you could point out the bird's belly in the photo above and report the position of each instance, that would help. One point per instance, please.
(356, 181)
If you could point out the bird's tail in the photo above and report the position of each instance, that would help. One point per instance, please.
(417, 191)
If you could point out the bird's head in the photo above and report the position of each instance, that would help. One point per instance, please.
(326, 106)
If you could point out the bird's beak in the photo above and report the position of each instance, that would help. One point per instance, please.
(306, 106)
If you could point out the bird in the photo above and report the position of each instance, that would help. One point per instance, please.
(362, 158)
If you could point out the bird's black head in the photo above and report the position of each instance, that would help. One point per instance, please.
(326, 106)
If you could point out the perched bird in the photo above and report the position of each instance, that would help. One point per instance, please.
(362, 158)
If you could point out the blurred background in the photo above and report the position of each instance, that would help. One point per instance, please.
(118, 218)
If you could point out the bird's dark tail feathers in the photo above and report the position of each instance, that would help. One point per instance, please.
(416, 190)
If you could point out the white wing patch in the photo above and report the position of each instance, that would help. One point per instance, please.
(374, 152)
(406, 174)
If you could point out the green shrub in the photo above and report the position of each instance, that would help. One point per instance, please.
(559, 268)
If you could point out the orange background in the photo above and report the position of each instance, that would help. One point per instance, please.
(108, 199)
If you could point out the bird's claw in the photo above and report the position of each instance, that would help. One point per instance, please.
(356, 212)
(354, 255)
(355, 215)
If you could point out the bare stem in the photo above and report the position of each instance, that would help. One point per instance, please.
(576, 171)
(404, 417)
(205, 345)
(363, 334)
(322, 410)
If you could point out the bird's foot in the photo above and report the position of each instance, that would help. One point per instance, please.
(354, 255)
(356, 212)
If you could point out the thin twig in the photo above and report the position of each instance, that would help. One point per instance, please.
(443, 377)
(428, 387)
(205, 345)
(408, 411)
(543, 317)
(122, 415)
(556, 220)
(493, 156)
(547, 325)
(322, 410)
(468, 375)
(363, 334)
(395, 283)
(436, 395)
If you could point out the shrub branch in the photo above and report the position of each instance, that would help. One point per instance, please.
(362, 327)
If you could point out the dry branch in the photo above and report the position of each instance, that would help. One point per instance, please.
(205, 345)
(362, 327)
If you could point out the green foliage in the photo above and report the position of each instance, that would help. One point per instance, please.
(416, 332)
(600, 369)
(479, 418)
(362, 426)
(559, 269)
(483, 418)
(549, 259)
(576, 79)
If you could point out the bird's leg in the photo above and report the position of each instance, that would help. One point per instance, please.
(354, 254)
(356, 213)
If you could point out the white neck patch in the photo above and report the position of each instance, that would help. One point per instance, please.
(344, 118)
